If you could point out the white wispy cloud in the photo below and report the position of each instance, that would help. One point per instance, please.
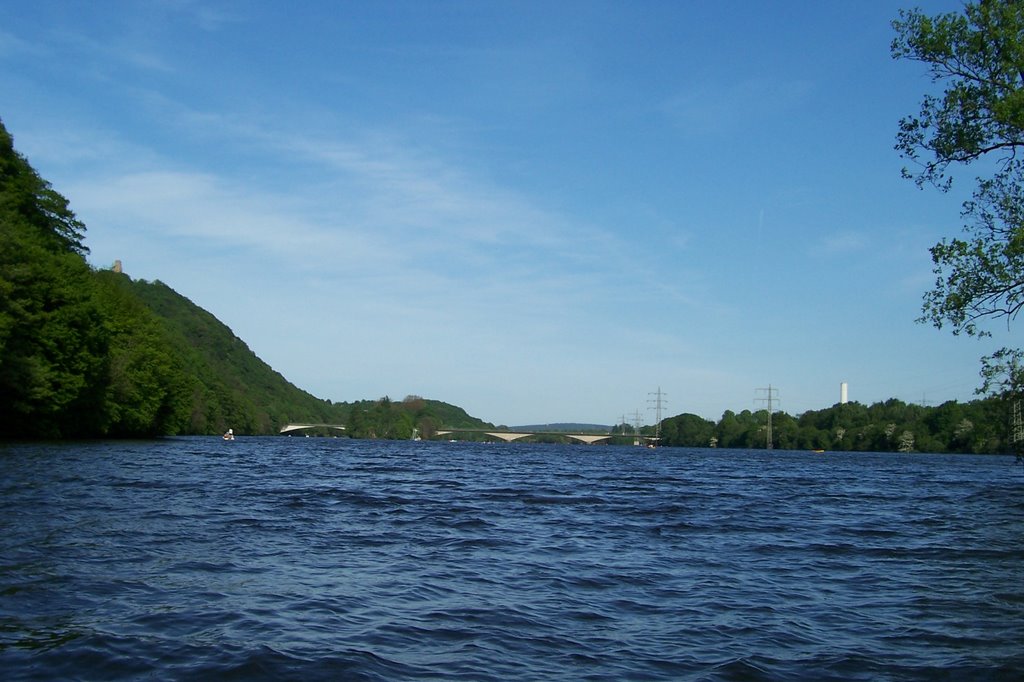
(418, 222)
(14, 46)
(840, 243)
(105, 56)
(714, 109)
(205, 15)
(223, 214)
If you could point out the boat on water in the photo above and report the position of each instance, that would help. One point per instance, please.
(230, 435)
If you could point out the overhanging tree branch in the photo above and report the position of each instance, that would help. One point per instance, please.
(978, 55)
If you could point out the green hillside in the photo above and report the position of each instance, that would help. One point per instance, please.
(233, 388)
(86, 353)
(230, 386)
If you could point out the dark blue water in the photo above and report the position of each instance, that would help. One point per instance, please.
(310, 558)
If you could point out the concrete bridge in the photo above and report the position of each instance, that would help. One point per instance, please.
(507, 436)
(588, 438)
(288, 428)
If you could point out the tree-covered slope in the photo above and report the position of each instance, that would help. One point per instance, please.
(53, 349)
(230, 386)
(414, 416)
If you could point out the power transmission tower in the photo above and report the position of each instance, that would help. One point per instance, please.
(658, 400)
(637, 421)
(770, 400)
(1017, 429)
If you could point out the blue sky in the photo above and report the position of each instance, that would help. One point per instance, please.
(536, 211)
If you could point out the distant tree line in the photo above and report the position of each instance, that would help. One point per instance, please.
(980, 426)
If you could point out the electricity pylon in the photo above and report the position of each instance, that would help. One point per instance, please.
(658, 400)
(1017, 428)
(770, 399)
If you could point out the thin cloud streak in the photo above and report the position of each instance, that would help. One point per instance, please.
(714, 109)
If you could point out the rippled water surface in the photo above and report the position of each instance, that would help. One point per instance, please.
(310, 558)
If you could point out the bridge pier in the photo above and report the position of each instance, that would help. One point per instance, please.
(589, 440)
(508, 437)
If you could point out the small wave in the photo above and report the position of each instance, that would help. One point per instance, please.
(266, 663)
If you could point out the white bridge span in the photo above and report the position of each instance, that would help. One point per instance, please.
(588, 438)
(288, 428)
(507, 436)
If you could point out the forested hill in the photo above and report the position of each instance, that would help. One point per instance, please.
(86, 353)
(230, 386)
(233, 388)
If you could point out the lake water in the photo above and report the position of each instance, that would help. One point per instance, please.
(315, 558)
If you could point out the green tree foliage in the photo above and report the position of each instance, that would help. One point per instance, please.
(79, 355)
(687, 430)
(147, 391)
(28, 200)
(413, 417)
(53, 351)
(228, 385)
(890, 426)
(978, 57)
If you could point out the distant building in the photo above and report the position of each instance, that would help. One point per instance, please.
(843, 398)
(117, 267)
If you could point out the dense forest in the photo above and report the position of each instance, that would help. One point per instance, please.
(93, 353)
